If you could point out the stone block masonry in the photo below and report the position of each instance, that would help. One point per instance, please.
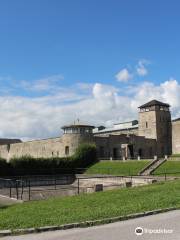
(154, 135)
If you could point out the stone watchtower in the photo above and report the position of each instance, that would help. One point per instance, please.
(155, 123)
(74, 135)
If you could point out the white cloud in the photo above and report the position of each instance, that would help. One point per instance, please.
(141, 69)
(171, 91)
(41, 117)
(168, 91)
(45, 84)
(123, 75)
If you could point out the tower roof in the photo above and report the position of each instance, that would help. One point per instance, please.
(77, 126)
(154, 103)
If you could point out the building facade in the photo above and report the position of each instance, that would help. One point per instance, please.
(154, 134)
(176, 136)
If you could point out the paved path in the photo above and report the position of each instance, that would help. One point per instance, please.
(124, 230)
(5, 201)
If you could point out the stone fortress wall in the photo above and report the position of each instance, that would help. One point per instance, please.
(155, 134)
(155, 123)
(152, 136)
(52, 147)
(176, 136)
(119, 146)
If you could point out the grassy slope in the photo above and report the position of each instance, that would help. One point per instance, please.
(169, 167)
(131, 167)
(91, 206)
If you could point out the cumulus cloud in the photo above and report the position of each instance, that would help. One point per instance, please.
(45, 84)
(171, 91)
(42, 117)
(141, 68)
(48, 84)
(124, 75)
(168, 91)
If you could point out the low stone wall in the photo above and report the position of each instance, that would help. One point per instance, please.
(112, 182)
(83, 185)
(174, 159)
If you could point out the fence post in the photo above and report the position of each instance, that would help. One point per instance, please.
(22, 188)
(78, 186)
(29, 190)
(17, 190)
(10, 193)
(55, 183)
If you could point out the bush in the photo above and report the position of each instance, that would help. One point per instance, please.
(84, 156)
(27, 165)
(4, 167)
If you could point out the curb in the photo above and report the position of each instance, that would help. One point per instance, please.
(82, 224)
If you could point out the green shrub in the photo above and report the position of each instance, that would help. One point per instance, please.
(4, 167)
(27, 165)
(84, 156)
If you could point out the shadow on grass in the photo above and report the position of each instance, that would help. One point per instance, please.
(4, 206)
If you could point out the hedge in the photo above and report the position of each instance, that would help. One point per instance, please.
(4, 167)
(84, 156)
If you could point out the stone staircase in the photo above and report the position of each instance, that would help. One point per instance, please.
(152, 167)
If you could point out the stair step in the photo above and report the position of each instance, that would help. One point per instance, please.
(152, 166)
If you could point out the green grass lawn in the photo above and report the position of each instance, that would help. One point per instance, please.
(57, 211)
(169, 167)
(131, 167)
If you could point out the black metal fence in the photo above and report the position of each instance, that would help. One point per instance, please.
(16, 187)
(12, 187)
(167, 174)
(31, 187)
(24, 187)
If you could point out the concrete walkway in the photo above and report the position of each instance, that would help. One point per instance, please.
(168, 225)
(6, 201)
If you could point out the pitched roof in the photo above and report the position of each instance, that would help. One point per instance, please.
(5, 141)
(154, 103)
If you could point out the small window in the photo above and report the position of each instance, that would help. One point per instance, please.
(87, 130)
(67, 150)
(146, 124)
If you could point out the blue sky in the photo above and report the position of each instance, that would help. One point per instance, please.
(65, 52)
(88, 41)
